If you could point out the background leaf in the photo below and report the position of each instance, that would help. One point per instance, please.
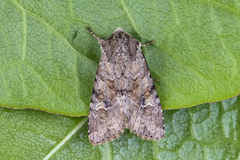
(207, 131)
(48, 59)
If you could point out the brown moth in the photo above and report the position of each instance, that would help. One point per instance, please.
(124, 95)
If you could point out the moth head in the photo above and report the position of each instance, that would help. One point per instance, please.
(119, 29)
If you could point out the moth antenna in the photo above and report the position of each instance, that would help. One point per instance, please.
(99, 39)
(144, 45)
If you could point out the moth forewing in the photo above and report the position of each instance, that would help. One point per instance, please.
(124, 95)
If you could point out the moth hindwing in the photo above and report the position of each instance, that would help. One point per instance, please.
(124, 95)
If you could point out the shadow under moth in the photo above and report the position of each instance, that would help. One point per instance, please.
(124, 95)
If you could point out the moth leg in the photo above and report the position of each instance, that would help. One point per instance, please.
(144, 45)
(99, 39)
(155, 80)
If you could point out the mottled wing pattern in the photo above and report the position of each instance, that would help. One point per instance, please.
(105, 120)
(144, 108)
(124, 95)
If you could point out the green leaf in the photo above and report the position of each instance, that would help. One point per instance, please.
(48, 59)
(207, 131)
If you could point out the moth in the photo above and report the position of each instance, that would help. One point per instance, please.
(124, 95)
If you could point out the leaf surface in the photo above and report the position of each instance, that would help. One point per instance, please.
(207, 131)
(48, 59)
